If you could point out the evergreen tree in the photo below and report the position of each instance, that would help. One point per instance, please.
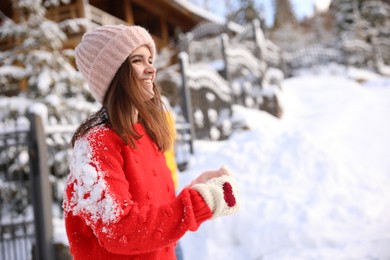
(363, 30)
(321, 34)
(285, 31)
(377, 15)
(245, 12)
(284, 14)
(345, 13)
(37, 70)
(352, 32)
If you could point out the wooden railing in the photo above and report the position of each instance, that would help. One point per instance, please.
(99, 17)
(63, 12)
(94, 15)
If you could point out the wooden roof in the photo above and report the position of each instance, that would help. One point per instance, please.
(164, 19)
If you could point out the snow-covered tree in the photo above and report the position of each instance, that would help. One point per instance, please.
(377, 15)
(245, 11)
(363, 29)
(286, 32)
(284, 14)
(37, 68)
(36, 71)
(352, 31)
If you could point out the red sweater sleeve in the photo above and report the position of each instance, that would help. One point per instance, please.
(99, 192)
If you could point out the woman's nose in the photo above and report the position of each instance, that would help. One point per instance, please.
(150, 68)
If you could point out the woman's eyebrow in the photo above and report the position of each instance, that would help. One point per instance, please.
(137, 56)
(140, 56)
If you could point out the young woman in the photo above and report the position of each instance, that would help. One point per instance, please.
(120, 200)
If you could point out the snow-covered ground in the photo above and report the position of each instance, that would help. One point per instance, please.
(314, 185)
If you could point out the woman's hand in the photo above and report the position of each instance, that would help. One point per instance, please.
(208, 175)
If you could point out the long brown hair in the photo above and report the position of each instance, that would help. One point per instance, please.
(124, 98)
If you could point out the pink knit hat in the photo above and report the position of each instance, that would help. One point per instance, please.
(103, 50)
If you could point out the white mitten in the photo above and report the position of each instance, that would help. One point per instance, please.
(220, 194)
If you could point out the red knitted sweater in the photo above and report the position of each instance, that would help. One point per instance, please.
(120, 202)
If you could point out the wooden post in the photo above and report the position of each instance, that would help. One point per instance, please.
(40, 189)
(259, 39)
(128, 9)
(226, 70)
(80, 5)
(224, 44)
(164, 31)
(186, 96)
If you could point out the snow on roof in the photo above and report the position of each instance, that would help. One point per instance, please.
(207, 15)
(203, 13)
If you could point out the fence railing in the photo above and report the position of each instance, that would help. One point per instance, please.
(220, 68)
(63, 12)
(26, 230)
(41, 189)
(33, 169)
(310, 57)
(100, 17)
(71, 11)
(16, 220)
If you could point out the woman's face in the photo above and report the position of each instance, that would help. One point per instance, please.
(141, 64)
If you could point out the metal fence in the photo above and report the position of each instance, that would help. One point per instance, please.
(33, 169)
(16, 219)
(25, 212)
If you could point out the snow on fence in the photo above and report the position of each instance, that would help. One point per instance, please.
(250, 69)
(220, 67)
(311, 57)
(207, 100)
(355, 53)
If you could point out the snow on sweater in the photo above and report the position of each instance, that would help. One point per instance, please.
(120, 202)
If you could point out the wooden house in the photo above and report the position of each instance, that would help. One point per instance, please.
(164, 19)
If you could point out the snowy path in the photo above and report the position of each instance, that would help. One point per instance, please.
(350, 117)
(314, 185)
(350, 120)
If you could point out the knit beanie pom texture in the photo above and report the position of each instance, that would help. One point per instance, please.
(103, 50)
